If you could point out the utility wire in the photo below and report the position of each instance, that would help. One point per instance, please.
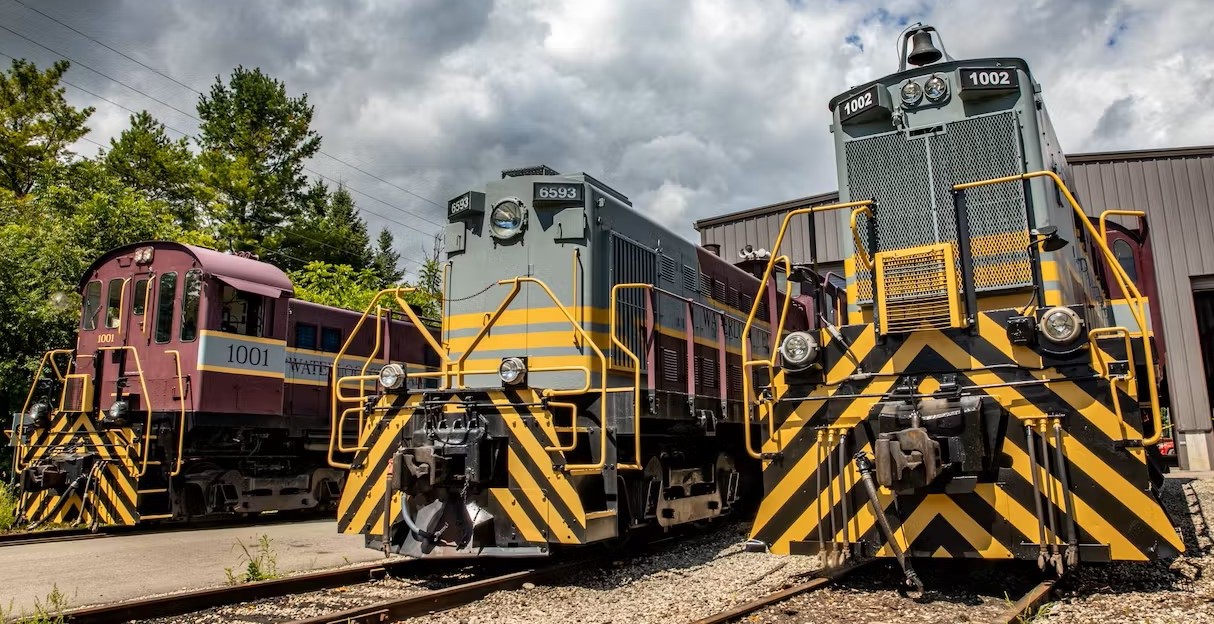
(194, 90)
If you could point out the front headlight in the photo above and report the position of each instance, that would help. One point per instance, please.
(935, 88)
(1060, 325)
(118, 410)
(392, 376)
(506, 219)
(799, 349)
(911, 93)
(512, 370)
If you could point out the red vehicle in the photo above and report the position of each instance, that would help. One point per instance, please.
(199, 386)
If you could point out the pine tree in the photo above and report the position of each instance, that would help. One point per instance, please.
(387, 260)
(144, 159)
(37, 125)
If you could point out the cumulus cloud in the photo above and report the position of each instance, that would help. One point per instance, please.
(699, 107)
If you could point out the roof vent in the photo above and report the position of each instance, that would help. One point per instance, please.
(537, 170)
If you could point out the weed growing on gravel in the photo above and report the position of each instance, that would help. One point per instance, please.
(8, 507)
(260, 563)
(49, 612)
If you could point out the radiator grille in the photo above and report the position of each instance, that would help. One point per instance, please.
(631, 264)
(75, 393)
(911, 179)
(918, 290)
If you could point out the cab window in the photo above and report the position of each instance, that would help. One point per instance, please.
(113, 303)
(1125, 257)
(91, 305)
(141, 297)
(243, 313)
(164, 307)
(191, 297)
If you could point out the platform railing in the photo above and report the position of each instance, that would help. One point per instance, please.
(1133, 295)
(48, 360)
(748, 390)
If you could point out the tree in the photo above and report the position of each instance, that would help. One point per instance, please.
(386, 260)
(337, 285)
(146, 160)
(254, 140)
(36, 124)
(330, 230)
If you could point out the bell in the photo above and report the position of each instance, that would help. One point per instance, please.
(922, 51)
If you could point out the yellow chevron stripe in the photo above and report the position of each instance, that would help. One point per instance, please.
(506, 500)
(817, 511)
(373, 502)
(529, 488)
(557, 481)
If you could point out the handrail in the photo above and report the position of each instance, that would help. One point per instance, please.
(19, 432)
(181, 429)
(147, 399)
(1137, 307)
(754, 308)
(1093, 335)
(861, 252)
(1104, 219)
(581, 310)
(334, 417)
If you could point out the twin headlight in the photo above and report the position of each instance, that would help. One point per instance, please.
(507, 219)
(935, 89)
(799, 350)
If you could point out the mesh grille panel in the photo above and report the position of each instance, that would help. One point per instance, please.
(73, 395)
(912, 179)
(631, 263)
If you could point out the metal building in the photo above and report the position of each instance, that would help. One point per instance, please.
(1175, 187)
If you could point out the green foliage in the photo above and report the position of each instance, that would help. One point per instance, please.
(254, 140)
(8, 507)
(337, 285)
(260, 563)
(387, 260)
(329, 230)
(145, 160)
(36, 124)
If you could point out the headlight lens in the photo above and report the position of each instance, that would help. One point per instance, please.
(911, 93)
(512, 370)
(1060, 325)
(506, 220)
(392, 376)
(118, 410)
(798, 350)
(935, 88)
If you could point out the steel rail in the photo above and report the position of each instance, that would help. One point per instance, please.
(826, 578)
(199, 600)
(1023, 609)
(440, 599)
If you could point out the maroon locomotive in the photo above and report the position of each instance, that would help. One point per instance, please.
(199, 386)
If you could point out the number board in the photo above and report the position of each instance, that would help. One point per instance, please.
(864, 105)
(558, 192)
(471, 202)
(989, 78)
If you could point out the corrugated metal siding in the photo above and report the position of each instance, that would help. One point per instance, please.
(760, 230)
(1177, 194)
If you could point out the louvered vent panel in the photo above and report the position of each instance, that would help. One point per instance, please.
(916, 292)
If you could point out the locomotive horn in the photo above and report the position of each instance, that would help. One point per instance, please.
(923, 52)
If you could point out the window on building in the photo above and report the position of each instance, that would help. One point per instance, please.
(305, 336)
(1125, 257)
(140, 297)
(113, 303)
(91, 305)
(191, 298)
(164, 307)
(330, 339)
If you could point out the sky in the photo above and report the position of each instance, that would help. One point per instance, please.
(692, 108)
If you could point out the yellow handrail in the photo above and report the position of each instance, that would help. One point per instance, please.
(861, 252)
(1104, 219)
(1137, 307)
(335, 395)
(1093, 335)
(181, 428)
(48, 357)
(147, 399)
(636, 365)
(754, 308)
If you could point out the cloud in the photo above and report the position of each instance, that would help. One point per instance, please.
(700, 107)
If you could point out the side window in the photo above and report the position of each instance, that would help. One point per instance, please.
(164, 307)
(330, 339)
(305, 336)
(243, 313)
(91, 305)
(141, 296)
(1125, 257)
(191, 298)
(113, 303)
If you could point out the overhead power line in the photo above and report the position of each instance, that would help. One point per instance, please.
(196, 91)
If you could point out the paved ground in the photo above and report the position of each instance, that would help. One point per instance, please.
(109, 569)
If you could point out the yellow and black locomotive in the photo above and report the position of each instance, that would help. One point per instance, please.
(591, 382)
(985, 397)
